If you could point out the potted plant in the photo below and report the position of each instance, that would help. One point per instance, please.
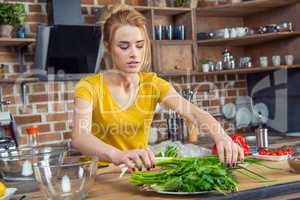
(205, 65)
(11, 16)
(182, 3)
(178, 3)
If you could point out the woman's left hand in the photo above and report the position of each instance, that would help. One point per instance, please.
(228, 151)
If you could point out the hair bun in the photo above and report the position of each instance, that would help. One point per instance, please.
(113, 9)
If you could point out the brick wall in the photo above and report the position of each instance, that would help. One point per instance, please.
(49, 105)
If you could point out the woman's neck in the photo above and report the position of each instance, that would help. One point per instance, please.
(123, 79)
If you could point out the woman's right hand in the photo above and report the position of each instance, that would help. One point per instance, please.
(134, 159)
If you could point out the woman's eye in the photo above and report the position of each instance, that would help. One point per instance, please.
(140, 46)
(124, 47)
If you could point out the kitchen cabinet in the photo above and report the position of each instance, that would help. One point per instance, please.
(181, 57)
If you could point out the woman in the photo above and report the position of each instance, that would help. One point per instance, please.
(117, 106)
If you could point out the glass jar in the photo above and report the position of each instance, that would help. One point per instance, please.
(294, 160)
(32, 140)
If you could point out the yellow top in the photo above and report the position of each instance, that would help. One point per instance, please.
(123, 129)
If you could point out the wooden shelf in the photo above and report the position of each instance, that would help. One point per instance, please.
(142, 8)
(173, 42)
(234, 71)
(170, 11)
(243, 8)
(16, 80)
(248, 40)
(16, 41)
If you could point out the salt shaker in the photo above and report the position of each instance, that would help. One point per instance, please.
(262, 138)
(261, 135)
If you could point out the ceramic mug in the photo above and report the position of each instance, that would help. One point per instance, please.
(242, 31)
(205, 67)
(263, 61)
(276, 60)
(289, 59)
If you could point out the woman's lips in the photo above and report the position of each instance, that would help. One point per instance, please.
(133, 64)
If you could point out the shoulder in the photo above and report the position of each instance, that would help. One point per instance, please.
(89, 82)
(149, 76)
(93, 79)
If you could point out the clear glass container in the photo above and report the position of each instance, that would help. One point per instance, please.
(294, 160)
(32, 139)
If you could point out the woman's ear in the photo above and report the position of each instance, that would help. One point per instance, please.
(107, 47)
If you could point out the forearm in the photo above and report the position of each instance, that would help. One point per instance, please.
(207, 123)
(88, 144)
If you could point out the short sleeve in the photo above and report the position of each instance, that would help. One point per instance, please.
(84, 90)
(162, 87)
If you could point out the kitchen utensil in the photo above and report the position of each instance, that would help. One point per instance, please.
(71, 179)
(185, 193)
(269, 158)
(205, 67)
(272, 28)
(289, 59)
(242, 31)
(294, 160)
(276, 60)
(233, 33)
(159, 32)
(262, 140)
(229, 110)
(8, 194)
(179, 32)
(219, 66)
(263, 61)
(243, 117)
(169, 32)
(285, 26)
(202, 36)
(226, 33)
(245, 62)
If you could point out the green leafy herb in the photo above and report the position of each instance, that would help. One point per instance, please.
(194, 174)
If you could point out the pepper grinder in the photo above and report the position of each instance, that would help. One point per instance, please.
(261, 135)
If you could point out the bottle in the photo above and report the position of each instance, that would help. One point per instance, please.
(32, 136)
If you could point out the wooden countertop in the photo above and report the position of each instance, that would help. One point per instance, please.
(111, 187)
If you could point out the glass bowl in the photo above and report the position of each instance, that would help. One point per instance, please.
(69, 180)
(294, 160)
(17, 164)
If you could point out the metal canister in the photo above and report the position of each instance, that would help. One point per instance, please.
(262, 138)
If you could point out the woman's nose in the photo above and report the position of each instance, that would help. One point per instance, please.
(133, 52)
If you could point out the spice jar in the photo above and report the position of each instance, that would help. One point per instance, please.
(32, 136)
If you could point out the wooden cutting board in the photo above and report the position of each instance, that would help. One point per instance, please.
(108, 185)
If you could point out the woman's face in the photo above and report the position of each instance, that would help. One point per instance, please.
(127, 49)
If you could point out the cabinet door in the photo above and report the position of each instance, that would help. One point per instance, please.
(173, 57)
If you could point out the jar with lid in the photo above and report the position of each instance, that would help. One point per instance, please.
(32, 139)
(294, 159)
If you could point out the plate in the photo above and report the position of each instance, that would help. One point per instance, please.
(270, 158)
(184, 193)
(8, 193)
(260, 109)
(229, 110)
(243, 117)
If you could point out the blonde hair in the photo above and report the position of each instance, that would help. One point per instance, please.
(118, 15)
